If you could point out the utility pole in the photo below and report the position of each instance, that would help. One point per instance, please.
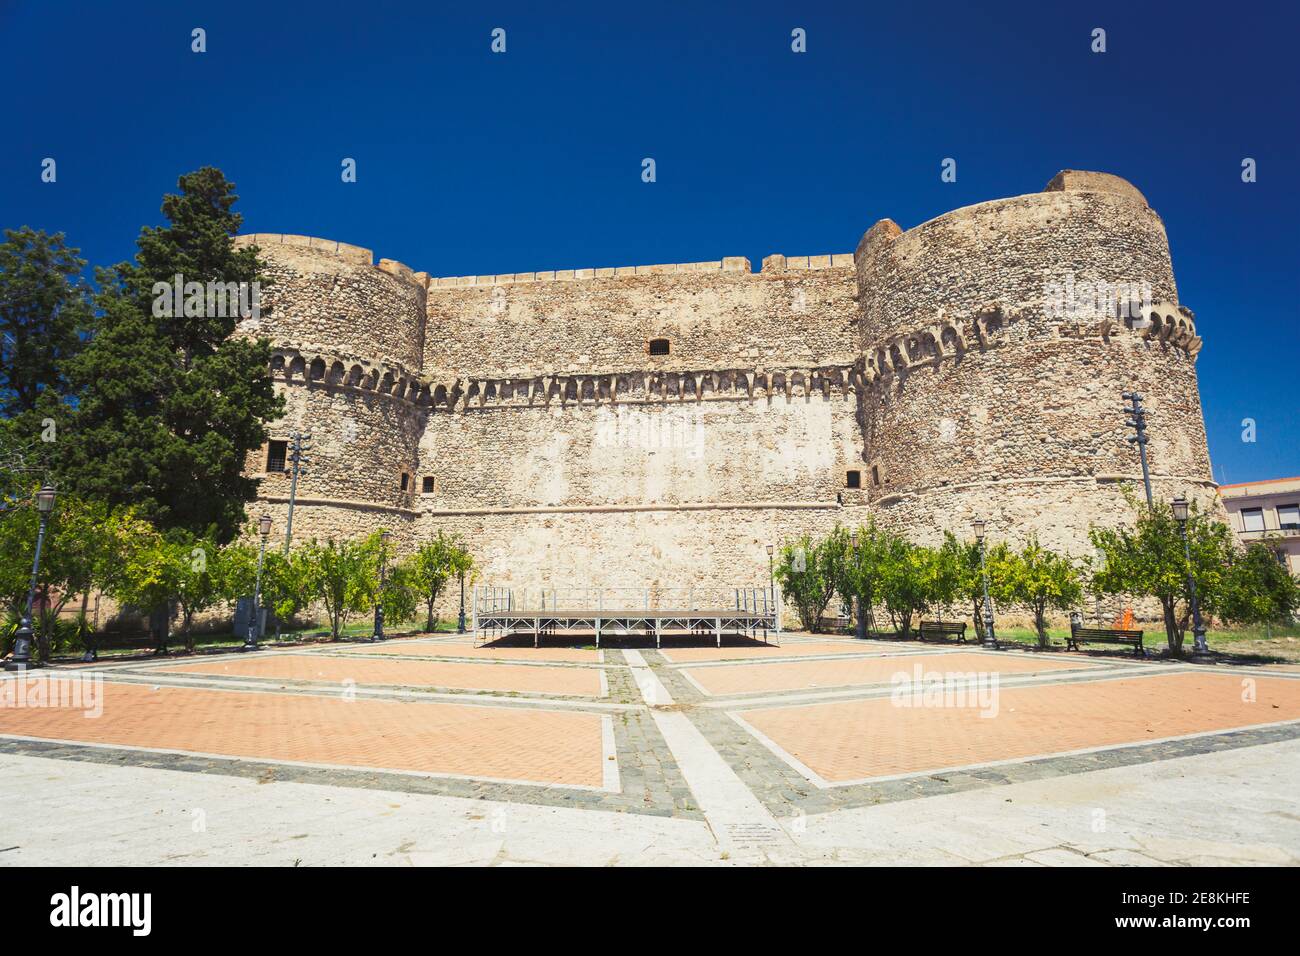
(1137, 421)
(298, 444)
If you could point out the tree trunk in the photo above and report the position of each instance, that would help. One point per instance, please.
(1040, 623)
(1172, 635)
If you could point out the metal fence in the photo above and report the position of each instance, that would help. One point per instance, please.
(691, 600)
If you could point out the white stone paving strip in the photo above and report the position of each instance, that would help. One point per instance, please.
(745, 830)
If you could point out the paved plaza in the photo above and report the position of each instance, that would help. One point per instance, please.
(817, 750)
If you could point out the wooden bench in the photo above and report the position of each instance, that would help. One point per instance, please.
(955, 629)
(834, 625)
(1099, 635)
(120, 641)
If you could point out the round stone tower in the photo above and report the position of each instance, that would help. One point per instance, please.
(997, 342)
(348, 340)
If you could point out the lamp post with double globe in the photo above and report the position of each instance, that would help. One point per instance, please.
(1181, 513)
(990, 638)
(860, 628)
(250, 640)
(22, 658)
(384, 538)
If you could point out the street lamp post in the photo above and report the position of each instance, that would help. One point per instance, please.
(384, 538)
(22, 658)
(860, 626)
(771, 574)
(460, 622)
(1199, 648)
(250, 641)
(990, 637)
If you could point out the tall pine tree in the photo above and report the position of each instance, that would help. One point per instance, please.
(168, 407)
(44, 313)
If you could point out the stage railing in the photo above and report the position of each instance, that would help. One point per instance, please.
(723, 598)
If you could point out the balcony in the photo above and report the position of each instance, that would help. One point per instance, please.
(1288, 532)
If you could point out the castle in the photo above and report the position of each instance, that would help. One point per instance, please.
(660, 425)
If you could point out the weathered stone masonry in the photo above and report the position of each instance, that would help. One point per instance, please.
(567, 448)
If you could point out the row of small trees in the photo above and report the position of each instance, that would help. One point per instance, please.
(887, 571)
(90, 546)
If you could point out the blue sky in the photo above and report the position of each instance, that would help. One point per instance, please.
(471, 162)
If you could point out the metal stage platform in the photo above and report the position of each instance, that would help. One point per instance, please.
(696, 612)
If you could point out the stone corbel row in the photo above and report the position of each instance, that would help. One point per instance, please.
(1165, 323)
(931, 344)
(1170, 324)
(381, 378)
(683, 386)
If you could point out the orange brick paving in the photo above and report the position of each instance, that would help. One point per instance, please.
(506, 743)
(811, 675)
(570, 681)
(857, 740)
(565, 655)
(695, 655)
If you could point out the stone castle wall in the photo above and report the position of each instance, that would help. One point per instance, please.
(715, 315)
(987, 398)
(933, 361)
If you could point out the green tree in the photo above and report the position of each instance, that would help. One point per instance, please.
(861, 571)
(399, 597)
(909, 573)
(1043, 579)
(1257, 588)
(148, 577)
(999, 563)
(198, 578)
(343, 577)
(1148, 559)
(430, 568)
(287, 582)
(810, 572)
(86, 545)
(44, 310)
(169, 406)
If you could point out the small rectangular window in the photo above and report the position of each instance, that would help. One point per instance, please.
(427, 485)
(1252, 519)
(1288, 517)
(276, 452)
(875, 475)
(853, 479)
(659, 346)
(406, 481)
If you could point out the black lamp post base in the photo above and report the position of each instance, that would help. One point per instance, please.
(22, 659)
